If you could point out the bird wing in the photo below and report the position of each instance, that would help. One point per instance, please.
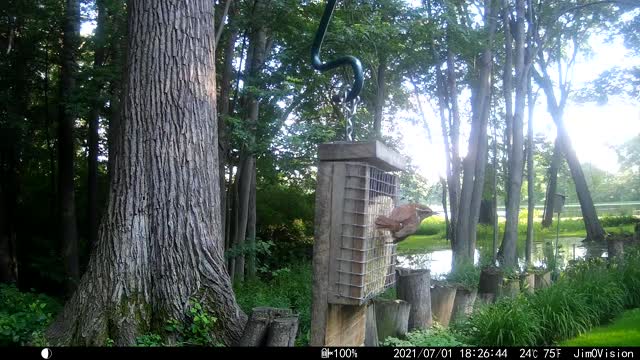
(383, 222)
(403, 213)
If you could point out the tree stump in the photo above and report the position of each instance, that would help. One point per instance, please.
(615, 248)
(392, 318)
(490, 281)
(528, 283)
(543, 280)
(371, 330)
(283, 331)
(510, 288)
(442, 298)
(413, 286)
(463, 303)
(256, 329)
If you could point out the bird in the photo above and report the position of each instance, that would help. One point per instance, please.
(404, 220)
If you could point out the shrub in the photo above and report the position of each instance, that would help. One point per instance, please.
(431, 226)
(509, 322)
(615, 221)
(288, 287)
(466, 275)
(436, 336)
(24, 315)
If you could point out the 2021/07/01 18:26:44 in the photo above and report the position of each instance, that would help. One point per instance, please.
(448, 353)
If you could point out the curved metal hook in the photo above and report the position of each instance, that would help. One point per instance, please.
(356, 65)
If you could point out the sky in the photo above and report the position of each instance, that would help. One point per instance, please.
(594, 129)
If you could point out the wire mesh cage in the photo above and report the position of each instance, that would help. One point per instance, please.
(366, 260)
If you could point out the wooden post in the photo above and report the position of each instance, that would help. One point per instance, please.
(528, 283)
(338, 315)
(442, 299)
(463, 303)
(543, 280)
(283, 331)
(615, 248)
(490, 281)
(392, 318)
(371, 332)
(413, 286)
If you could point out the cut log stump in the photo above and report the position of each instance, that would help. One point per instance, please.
(392, 318)
(282, 331)
(442, 299)
(528, 283)
(413, 286)
(463, 303)
(543, 280)
(490, 281)
(510, 288)
(257, 328)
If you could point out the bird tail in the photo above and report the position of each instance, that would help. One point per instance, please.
(383, 222)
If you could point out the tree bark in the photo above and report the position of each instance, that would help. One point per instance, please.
(595, 231)
(516, 157)
(414, 288)
(158, 244)
(552, 185)
(66, 145)
(475, 161)
(530, 175)
(94, 124)
(251, 230)
(380, 98)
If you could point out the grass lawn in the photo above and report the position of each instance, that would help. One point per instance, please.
(624, 331)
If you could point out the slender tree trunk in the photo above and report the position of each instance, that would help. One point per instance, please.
(225, 103)
(158, 244)
(552, 185)
(476, 155)
(251, 230)
(94, 124)
(516, 157)
(595, 231)
(380, 98)
(530, 174)
(245, 179)
(66, 145)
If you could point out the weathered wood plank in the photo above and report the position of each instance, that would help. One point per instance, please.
(373, 152)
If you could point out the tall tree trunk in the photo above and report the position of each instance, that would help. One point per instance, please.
(516, 157)
(530, 174)
(255, 61)
(66, 145)
(251, 230)
(476, 155)
(158, 244)
(380, 98)
(94, 124)
(552, 185)
(225, 103)
(595, 231)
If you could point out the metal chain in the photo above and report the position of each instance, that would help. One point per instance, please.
(349, 109)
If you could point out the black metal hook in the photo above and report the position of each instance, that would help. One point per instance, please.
(356, 65)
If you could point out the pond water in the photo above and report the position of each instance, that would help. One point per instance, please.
(569, 248)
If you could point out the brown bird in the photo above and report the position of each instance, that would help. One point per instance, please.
(404, 220)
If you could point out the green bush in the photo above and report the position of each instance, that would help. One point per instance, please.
(509, 322)
(588, 294)
(436, 336)
(614, 221)
(431, 226)
(289, 287)
(24, 315)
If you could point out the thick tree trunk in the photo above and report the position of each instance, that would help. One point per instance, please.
(552, 185)
(66, 145)
(94, 124)
(516, 157)
(158, 244)
(380, 98)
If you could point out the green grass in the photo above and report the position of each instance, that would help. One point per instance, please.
(624, 331)
(431, 235)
